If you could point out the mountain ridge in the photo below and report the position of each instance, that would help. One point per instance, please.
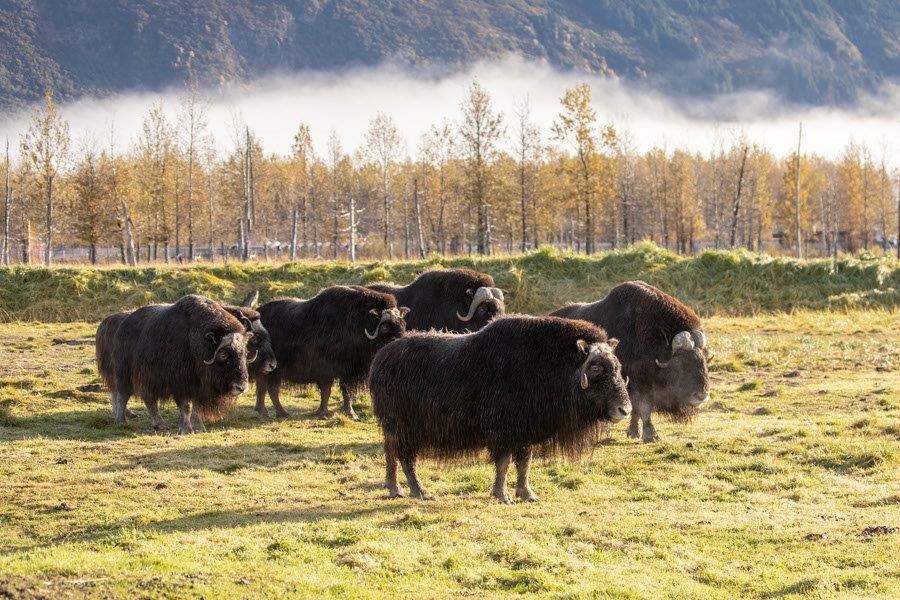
(808, 51)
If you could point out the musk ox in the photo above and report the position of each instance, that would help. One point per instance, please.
(662, 349)
(456, 300)
(259, 348)
(519, 383)
(333, 335)
(192, 351)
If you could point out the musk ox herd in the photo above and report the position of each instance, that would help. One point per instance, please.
(449, 372)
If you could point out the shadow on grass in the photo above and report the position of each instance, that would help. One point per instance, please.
(212, 520)
(231, 458)
(95, 423)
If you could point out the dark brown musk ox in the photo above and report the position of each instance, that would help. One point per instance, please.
(518, 384)
(456, 300)
(192, 351)
(662, 349)
(261, 356)
(332, 335)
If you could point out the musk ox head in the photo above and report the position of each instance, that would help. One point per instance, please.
(476, 299)
(600, 379)
(383, 325)
(681, 379)
(226, 361)
(259, 348)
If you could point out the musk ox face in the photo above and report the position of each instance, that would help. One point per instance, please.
(600, 379)
(383, 325)
(259, 348)
(227, 361)
(477, 305)
(681, 382)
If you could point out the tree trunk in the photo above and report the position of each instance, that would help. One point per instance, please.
(797, 196)
(418, 210)
(294, 234)
(736, 205)
(48, 251)
(7, 209)
(352, 228)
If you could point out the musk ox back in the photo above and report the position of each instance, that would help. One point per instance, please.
(192, 351)
(662, 349)
(333, 335)
(518, 383)
(448, 299)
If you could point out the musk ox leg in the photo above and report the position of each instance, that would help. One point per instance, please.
(634, 428)
(501, 467)
(348, 391)
(325, 394)
(120, 413)
(412, 479)
(199, 425)
(649, 431)
(274, 387)
(261, 388)
(156, 421)
(390, 478)
(184, 425)
(523, 464)
(130, 413)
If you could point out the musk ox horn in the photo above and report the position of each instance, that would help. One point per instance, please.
(699, 337)
(482, 294)
(582, 345)
(498, 294)
(584, 381)
(225, 341)
(662, 365)
(682, 341)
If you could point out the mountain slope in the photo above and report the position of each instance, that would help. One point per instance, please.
(813, 51)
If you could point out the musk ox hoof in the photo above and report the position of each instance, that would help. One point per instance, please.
(633, 433)
(351, 414)
(262, 412)
(649, 439)
(396, 493)
(280, 413)
(320, 414)
(502, 496)
(527, 495)
(422, 495)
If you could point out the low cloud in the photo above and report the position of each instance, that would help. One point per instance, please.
(345, 102)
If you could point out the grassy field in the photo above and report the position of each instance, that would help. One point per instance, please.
(787, 484)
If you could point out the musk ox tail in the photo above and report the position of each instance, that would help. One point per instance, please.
(104, 345)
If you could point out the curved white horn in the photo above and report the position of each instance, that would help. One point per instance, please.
(222, 343)
(682, 341)
(497, 293)
(584, 381)
(481, 294)
(661, 365)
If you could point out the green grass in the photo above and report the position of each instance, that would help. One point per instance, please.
(735, 283)
(786, 485)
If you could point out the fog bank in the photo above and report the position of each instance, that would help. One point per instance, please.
(345, 102)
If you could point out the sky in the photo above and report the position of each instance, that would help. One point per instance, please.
(345, 102)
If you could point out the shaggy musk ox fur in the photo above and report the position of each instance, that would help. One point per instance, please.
(448, 299)
(333, 335)
(662, 349)
(518, 383)
(192, 351)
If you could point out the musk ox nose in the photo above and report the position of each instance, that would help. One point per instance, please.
(238, 388)
(620, 412)
(269, 366)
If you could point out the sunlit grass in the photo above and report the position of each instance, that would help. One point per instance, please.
(786, 485)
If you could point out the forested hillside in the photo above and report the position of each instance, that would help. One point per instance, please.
(814, 51)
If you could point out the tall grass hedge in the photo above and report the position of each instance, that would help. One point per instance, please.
(714, 282)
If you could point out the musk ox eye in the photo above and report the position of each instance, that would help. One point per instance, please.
(223, 356)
